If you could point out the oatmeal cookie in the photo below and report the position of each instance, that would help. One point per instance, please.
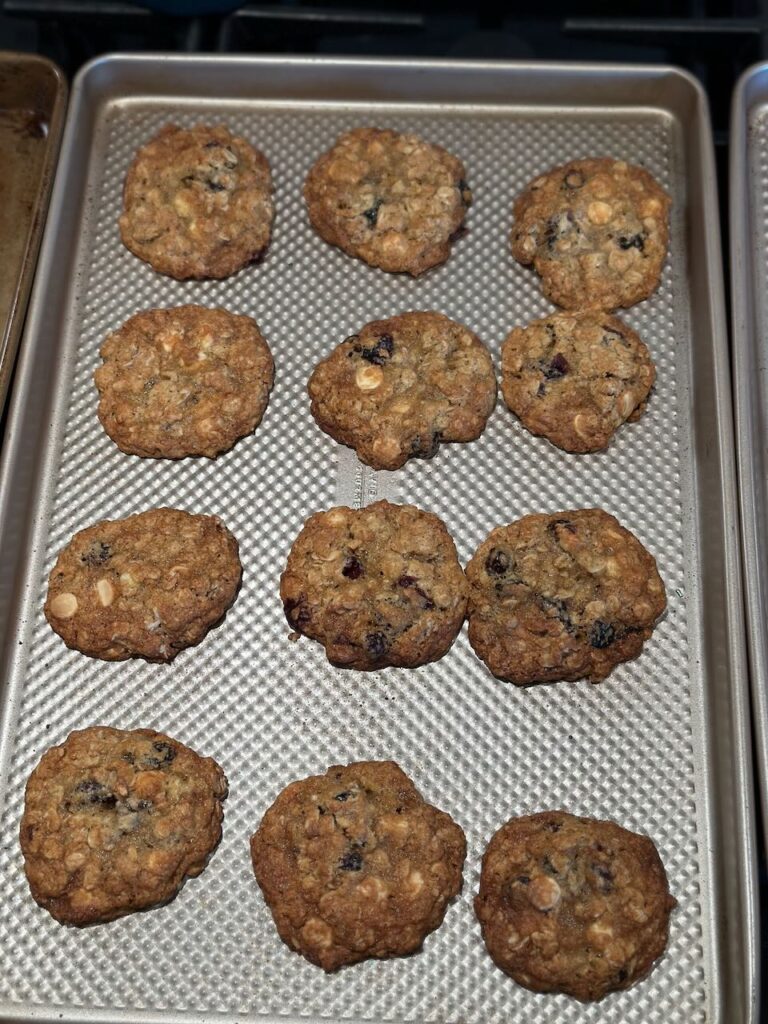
(376, 586)
(576, 377)
(399, 387)
(596, 232)
(572, 904)
(115, 821)
(355, 864)
(564, 596)
(393, 200)
(146, 586)
(183, 381)
(197, 202)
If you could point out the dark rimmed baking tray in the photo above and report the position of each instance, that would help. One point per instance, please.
(749, 279)
(33, 100)
(661, 747)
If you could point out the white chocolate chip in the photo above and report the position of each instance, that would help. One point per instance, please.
(626, 403)
(373, 888)
(368, 378)
(106, 592)
(600, 934)
(651, 206)
(401, 406)
(181, 205)
(599, 212)
(414, 883)
(64, 606)
(544, 893)
(581, 425)
(75, 860)
(613, 567)
(317, 933)
(128, 582)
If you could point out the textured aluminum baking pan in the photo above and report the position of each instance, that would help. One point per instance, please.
(33, 100)
(749, 282)
(661, 747)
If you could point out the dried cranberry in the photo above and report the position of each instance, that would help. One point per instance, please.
(372, 214)
(558, 367)
(353, 568)
(426, 447)
(632, 242)
(376, 644)
(605, 878)
(97, 554)
(497, 562)
(351, 861)
(92, 792)
(379, 353)
(602, 635)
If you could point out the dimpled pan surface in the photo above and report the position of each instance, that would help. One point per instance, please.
(660, 747)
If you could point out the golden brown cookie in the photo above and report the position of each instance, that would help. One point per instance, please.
(115, 821)
(563, 596)
(393, 200)
(572, 904)
(595, 230)
(183, 381)
(197, 202)
(146, 586)
(355, 864)
(399, 387)
(376, 586)
(576, 377)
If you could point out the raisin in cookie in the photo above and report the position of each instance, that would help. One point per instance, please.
(146, 586)
(355, 864)
(565, 596)
(576, 377)
(399, 387)
(393, 200)
(183, 381)
(595, 230)
(375, 586)
(572, 904)
(115, 821)
(197, 202)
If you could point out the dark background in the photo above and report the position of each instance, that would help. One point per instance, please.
(714, 40)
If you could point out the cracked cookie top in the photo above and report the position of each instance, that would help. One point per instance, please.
(393, 200)
(595, 230)
(146, 586)
(355, 864)
(114, 821)
(197, 202)
(376, 586)
(183, 381)
(565, 596)
(573, 905)
(399, 387)
(576, 377)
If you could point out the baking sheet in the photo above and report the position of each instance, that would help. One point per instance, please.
(660, 747)
(749, 276)
(33, 96)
